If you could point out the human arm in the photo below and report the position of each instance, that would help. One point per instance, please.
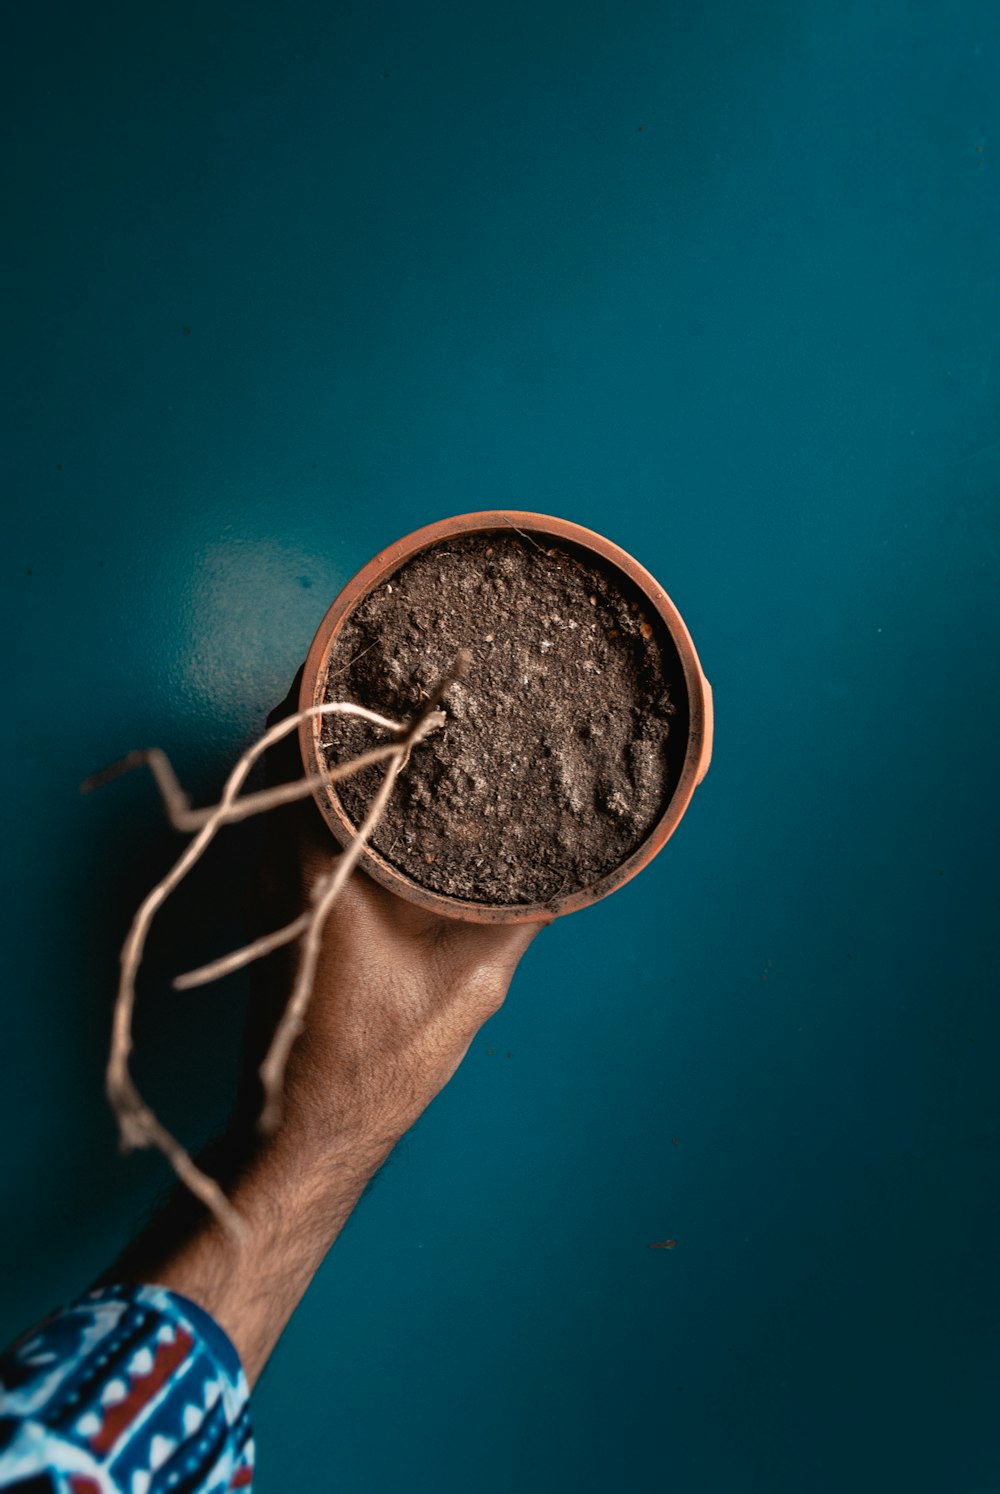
(398, 997)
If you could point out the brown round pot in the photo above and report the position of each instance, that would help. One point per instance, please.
(699, 717)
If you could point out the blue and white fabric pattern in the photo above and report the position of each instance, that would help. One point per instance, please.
(132, 1390)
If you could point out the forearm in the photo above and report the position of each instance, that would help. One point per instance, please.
(294, 1200)
(394, 1009)
(399, 995)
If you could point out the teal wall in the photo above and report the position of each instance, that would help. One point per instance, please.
(281, 283)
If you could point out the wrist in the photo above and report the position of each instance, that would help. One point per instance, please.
(303, 1176)
(293, 1201)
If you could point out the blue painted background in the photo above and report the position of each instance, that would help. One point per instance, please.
(281, 283)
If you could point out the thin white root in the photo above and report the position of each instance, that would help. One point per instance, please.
(272, 1070)
(261, 947)
(270, 942)
(178, 805)
(138, 1126)
(289, 793)
(175, 800)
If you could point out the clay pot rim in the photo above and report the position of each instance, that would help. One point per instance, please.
(700, 712)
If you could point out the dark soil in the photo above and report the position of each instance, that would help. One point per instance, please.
(553, 765)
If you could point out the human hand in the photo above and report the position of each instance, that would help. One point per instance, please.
(398, 996)
(399, 992)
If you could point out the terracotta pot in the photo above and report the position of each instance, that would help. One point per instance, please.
(695, 714)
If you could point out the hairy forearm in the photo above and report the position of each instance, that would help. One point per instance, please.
(294, 1202)
(397, 1001)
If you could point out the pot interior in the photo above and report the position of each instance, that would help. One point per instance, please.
(564, 744)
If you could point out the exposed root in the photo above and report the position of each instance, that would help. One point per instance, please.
(138, 1126)
(272, 1070)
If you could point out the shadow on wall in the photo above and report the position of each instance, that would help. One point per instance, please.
(186, 1057)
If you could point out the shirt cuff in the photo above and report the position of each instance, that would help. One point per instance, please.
(134, 1387)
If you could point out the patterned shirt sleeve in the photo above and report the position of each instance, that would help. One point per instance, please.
(132, 1390)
